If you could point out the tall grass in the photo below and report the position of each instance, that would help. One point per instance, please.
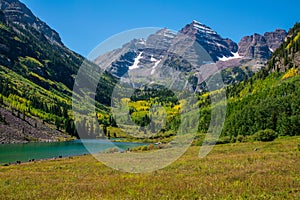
(255, 170)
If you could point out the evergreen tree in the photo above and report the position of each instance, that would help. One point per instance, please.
(57, 123)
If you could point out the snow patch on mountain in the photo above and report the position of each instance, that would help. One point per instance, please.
(235, 56)
(136, 62)
(202, 28)
(169, 35)
(142, 41)
(153, 59)
(155, 66)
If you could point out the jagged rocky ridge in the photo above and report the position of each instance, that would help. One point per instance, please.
(261, 46)
(150, 54)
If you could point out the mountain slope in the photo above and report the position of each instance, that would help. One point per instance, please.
(268, 100)
(25, 36)
(17, 13)
(216, 46)
(37, 77)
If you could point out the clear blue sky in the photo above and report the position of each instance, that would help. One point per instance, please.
(83, 24)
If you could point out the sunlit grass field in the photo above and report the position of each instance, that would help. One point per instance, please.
(255, 170)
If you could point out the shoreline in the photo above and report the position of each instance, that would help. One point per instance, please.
(39, 141)
(58, 156)
(40, 160)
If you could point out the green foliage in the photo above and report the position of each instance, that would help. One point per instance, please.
(265, 135)
(274, 106)
(268, 100)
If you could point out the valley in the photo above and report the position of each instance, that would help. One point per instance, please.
(39, 85)
(170, 93)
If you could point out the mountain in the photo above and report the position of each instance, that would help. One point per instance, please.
(216, 46)
(138, 55)
(267, 100)
(149, 56)
(156, 46)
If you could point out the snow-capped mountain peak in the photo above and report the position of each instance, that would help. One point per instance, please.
(202, 28)
(216, 46)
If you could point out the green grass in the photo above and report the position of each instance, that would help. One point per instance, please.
(231, 171)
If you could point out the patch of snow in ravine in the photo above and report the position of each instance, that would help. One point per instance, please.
(136, 62)
(235, 56)
(155, 66)
(153, 59)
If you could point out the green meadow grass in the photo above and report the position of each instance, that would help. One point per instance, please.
(255, 170)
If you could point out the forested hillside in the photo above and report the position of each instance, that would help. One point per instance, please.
(37, 75)
(268, 100)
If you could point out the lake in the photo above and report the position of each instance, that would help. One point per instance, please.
(10, 153)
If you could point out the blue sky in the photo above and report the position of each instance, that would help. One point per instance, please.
(83, 24)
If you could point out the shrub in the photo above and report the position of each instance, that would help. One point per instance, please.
(265, 135)
(144, 148)
(224, 140)
(240, 138)
(151, 147)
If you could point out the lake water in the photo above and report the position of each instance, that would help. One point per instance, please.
(10, 153)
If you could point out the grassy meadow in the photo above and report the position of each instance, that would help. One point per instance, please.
(255, 170)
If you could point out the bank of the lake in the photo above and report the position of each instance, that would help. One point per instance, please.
(11, 153)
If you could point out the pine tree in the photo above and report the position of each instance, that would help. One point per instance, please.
(23, 114)
(57, 123)
(104, 130)
(1, 100)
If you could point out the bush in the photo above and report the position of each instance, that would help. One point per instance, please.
(241, 138)
(265, 135)
(225, 140)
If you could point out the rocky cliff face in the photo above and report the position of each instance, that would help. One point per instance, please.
(148, 53)
(275, 39)
(137, 54)
(261, 46)
(254, 46)
(17, 13)
(252, 51)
